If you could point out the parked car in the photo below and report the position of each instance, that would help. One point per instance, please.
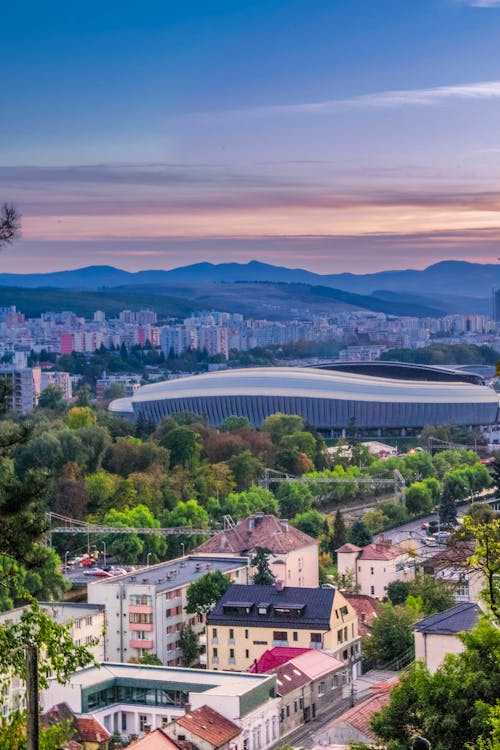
(442, 537)
(424, 526)
(430, 541)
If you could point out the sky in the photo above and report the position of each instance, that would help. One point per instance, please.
(333, 135)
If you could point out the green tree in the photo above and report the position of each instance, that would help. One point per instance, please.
(205, 592)
(52, 398)
(183, 446)
(391, 636)
(311, 522)
(434, 594)
(452, 707)
(359, 534)
(80, 416)
(398, 592)
(418, 499)
(486, 557)
(448, 506)
(260, 561)
(278, 425)
(130, 548)
(234, 423)
(188, 644)
(293, 498)
(254, 500)
(375, 520)
(339, 531)
(246, 469)
(189, 514)
(147, 659)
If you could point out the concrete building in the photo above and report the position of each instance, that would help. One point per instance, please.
(132, 699)
(145, 609)
(375, 566)
(24, 384)
(86, 624)
(248, 620)
(451, 566)
(294, 557)
(60, 379)
(437, 635)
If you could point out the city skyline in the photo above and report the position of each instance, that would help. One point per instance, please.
(356, 138)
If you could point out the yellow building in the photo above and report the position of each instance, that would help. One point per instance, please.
(248, 620)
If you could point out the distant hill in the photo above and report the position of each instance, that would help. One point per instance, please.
(448, 278)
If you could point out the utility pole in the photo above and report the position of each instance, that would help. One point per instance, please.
(32, 697)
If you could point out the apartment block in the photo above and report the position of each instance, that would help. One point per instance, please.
(24, 384)
(86, 625)
(146, 609)
(248, 620)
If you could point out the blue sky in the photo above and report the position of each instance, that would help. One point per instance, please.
(331, 134)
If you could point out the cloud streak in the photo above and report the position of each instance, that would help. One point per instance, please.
(472, 92)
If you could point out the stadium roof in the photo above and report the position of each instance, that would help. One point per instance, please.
(295, 381)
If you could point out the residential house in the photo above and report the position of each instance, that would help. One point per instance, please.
(86, 733)
(437, 635)
(366, 608)
(134, 699)
(451, 565)
(206, 729)
(294, 555)
(355, 724)
(145, 609)
(307, 683)
(248, 620)
(374, 567)
(155, 740)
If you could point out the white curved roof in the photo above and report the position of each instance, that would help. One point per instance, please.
(121, 406)
(314, 383)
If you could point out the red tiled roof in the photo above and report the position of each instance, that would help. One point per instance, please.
(275, 657)
(258, 531)
(366, 608)
(381, 551)
(359, 717)
(210, 726)
(90, 730)
(155, 740)
(288, 678)
(348, 548)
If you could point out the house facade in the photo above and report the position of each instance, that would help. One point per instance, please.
(146, 609)
(374, 567)
(206, 729)
(436, 636)
(293, 554)
(248, 620)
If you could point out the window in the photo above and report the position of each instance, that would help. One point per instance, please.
(78, 624)
(143, 722)
(136, 617)
(321, 688)
(372, 571)
(268, 731)
(345, 655)
(301, 703)
(88, 621)
(246, 742)
(88, 640)
(339, 636)
(280, 635)
(215, 653)
(315, 638)
(246, 633)
(295, 707)
(144, 599)
(124, 721)
(295, 635)
(372, 590)
(231, 635)
(247, 654)
(282, 714)
(288, 710)
(345, 634)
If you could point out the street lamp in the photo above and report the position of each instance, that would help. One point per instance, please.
(147, 559)
(104, 552)
(183, 546)
(66, 560)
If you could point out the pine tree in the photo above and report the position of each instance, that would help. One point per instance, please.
(260, 562)
(447, 508)
(339, 531)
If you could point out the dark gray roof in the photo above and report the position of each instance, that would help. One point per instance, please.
(317, 606)
(455, 620)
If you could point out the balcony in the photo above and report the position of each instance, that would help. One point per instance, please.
(140, 609)
(215, 659)
(147, 627)
(282, 643)
(202, 639)
(139, 643)
(316, 644)
(231, 660)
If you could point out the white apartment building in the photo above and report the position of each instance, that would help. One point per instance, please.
(132, 699)
(145, 609)
(62, 380)
(375, 566)
(25, 386)
(87, 624)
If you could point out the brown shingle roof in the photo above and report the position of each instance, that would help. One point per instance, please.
(257, 531)
(366, 608)
(348, 547)
(90, 730)
(210, 726)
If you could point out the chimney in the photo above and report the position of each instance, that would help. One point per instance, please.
(251, 523)
(279, 584)
(284, 524)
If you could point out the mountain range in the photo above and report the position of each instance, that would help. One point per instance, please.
(454, 278)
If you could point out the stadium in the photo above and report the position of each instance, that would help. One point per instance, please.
(328, 400)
